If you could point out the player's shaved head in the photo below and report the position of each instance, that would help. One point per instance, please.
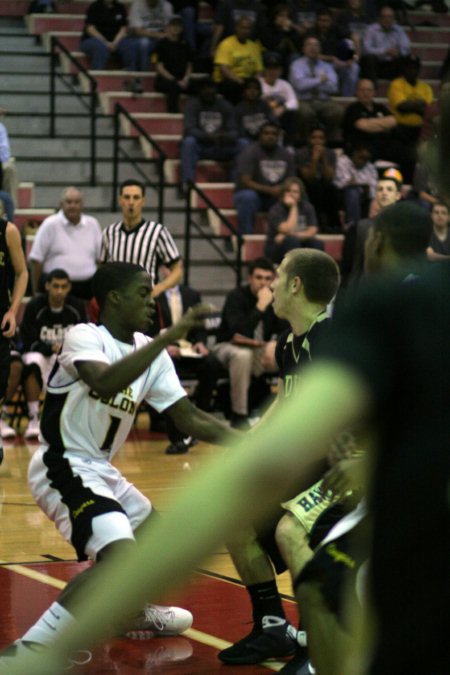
(317, 270)
(113, 276)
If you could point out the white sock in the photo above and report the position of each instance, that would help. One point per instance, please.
(33, 409)
(302, 638)
(54, 620)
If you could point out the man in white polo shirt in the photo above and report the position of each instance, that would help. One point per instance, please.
(68, 240)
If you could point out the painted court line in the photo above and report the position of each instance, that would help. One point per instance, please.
(192, 633)
(37, 576)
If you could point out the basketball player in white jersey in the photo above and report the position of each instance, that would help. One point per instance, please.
(101, 376)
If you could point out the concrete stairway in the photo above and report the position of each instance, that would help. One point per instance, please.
(47, 165)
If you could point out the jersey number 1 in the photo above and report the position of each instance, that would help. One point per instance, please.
(111, 433)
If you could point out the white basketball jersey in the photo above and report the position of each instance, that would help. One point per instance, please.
(76, 419)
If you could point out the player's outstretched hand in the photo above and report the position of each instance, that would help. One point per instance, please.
(194, 317)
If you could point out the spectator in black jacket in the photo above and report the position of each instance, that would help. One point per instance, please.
(246, 337)
(46, 320)
(173, 64)
(105, 32)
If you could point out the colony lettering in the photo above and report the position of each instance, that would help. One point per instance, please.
(121, 401)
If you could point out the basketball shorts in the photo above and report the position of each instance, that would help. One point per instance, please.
(88, 499)
(338, 563)
(316, 512)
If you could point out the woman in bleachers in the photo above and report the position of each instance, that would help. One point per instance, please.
(292, 223)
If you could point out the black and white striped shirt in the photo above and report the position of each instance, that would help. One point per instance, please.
(149, 244)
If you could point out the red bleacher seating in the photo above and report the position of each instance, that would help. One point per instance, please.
(253, 246)
(25, 195)
(44, 23)
(206, 171)
(221, 194)
(113, 80)
(23, 215)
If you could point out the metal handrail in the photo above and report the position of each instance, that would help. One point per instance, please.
(56, 45)
(189, 223)
(159, 161)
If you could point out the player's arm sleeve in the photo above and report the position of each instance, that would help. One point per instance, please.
(81, 343)
(164, 388)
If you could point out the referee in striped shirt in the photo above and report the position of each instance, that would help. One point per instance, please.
(145, 242)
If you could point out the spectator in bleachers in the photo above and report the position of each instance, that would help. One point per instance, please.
(105, 33)
(229, 12)
(385, 44)
(46, 320)
(245, 339)
(292, 223)
(439, 248)
(408, 98)
(192, 28)
(173, 64)
(353, 22)
(304, 14)
(316, 164)
(315, 81)
(388, 191)
(373, 124)
(337, 50)
(210, 131)
(191, 356)
(262, 167)
(281, 97)
(369, 122)
(281, 37)
(236, 58)
(252, 112)
(356, 178)
(68, 240)
(147, 21)
(391, 172)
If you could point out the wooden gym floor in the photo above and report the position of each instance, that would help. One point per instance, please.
(35, 563)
